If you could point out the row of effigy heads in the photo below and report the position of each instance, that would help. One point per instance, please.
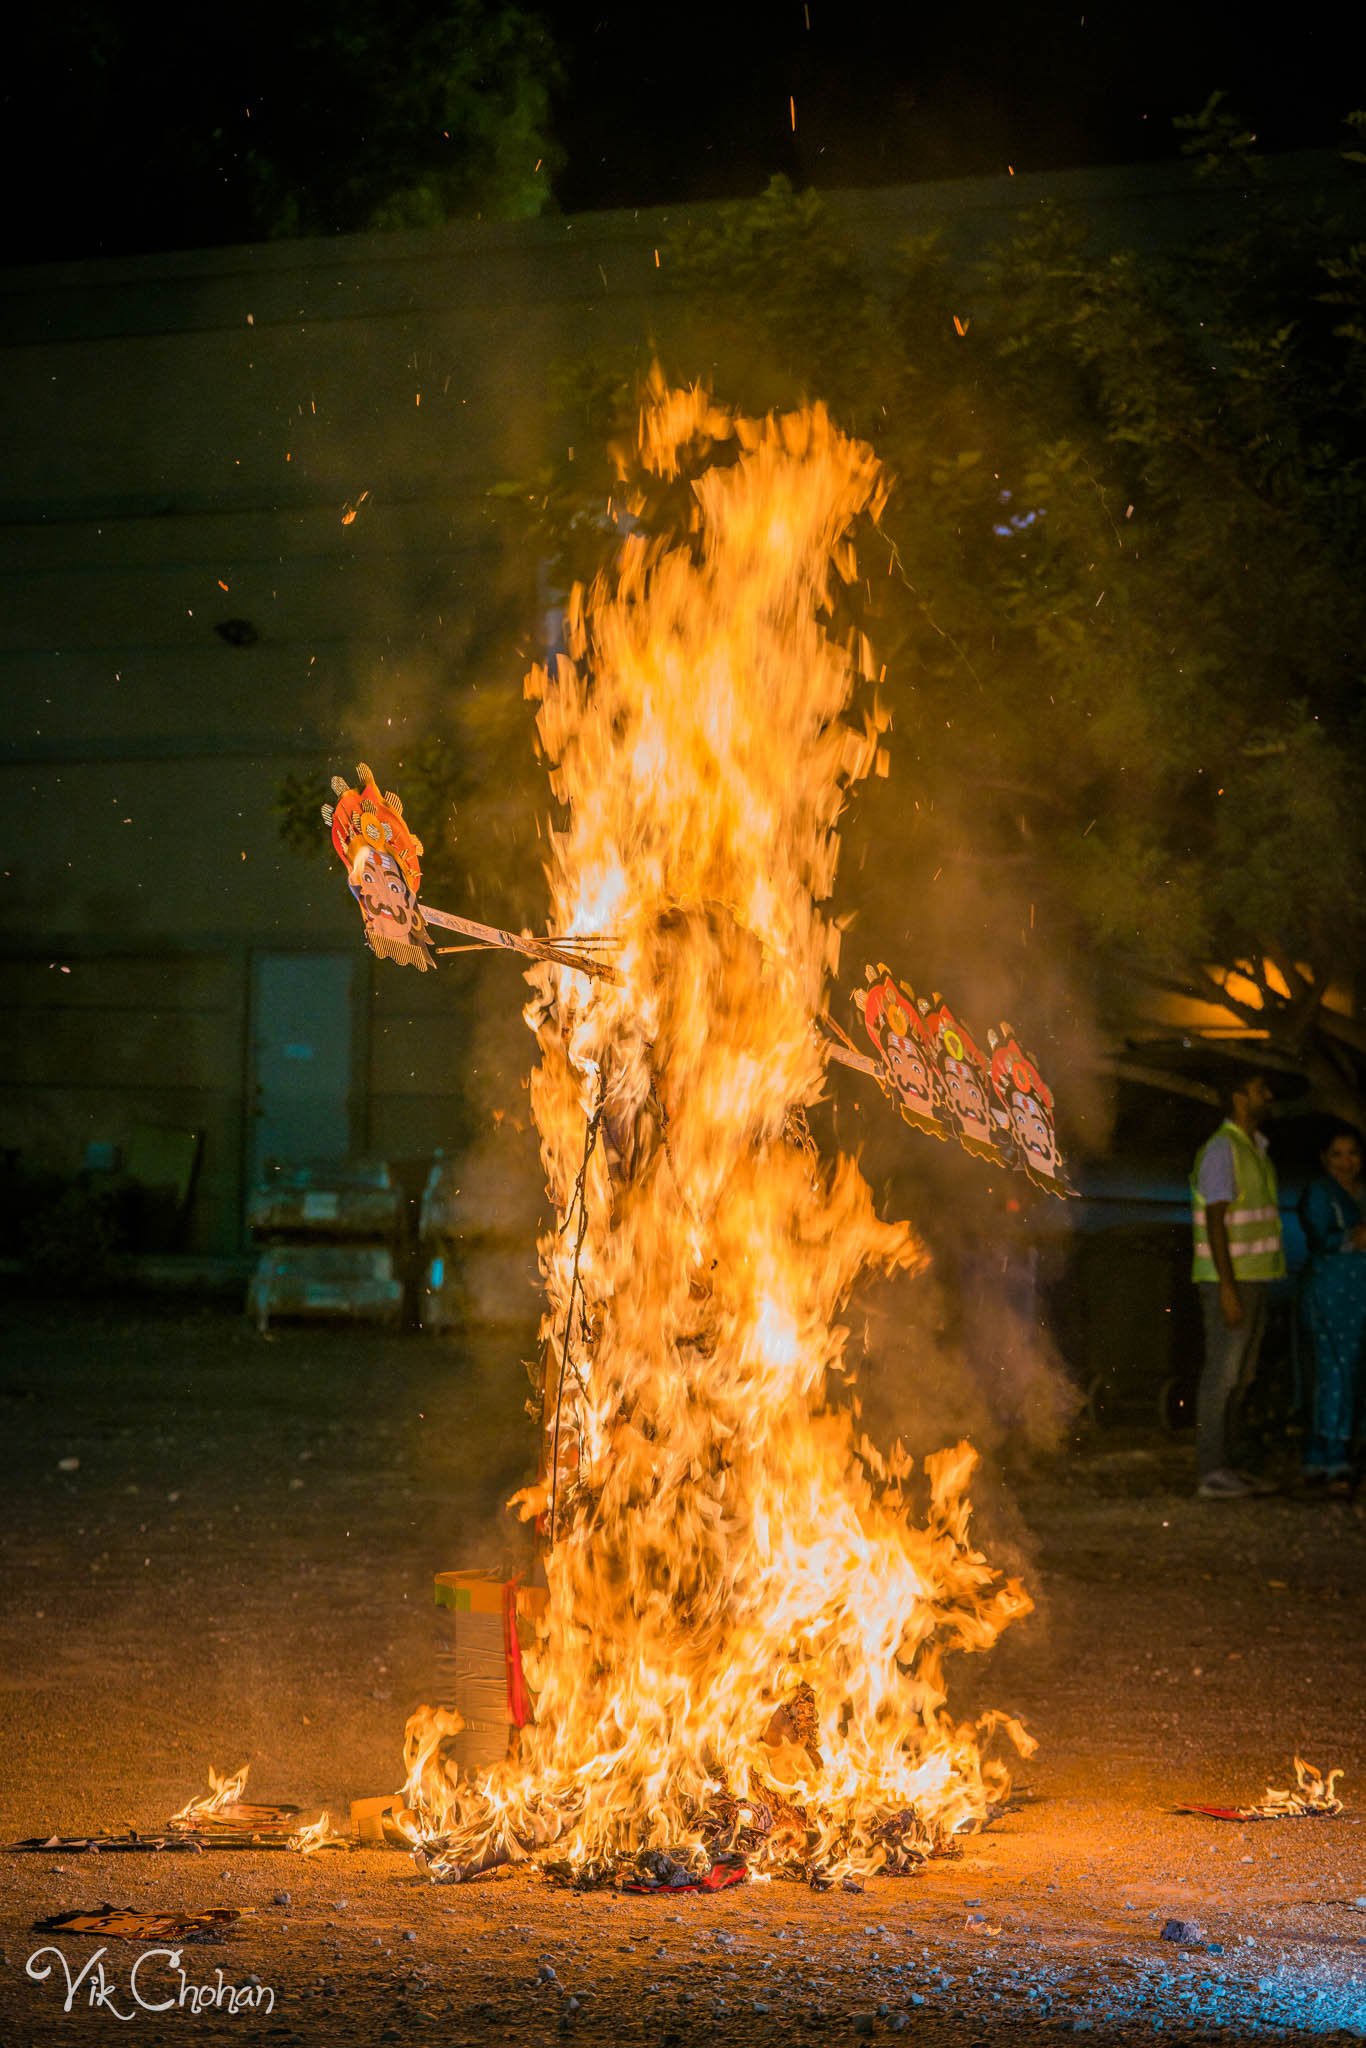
(995, 1103)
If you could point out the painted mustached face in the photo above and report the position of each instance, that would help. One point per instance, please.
(968, 1101)
(908, 1069)
(1033, 1132)
(385, 897)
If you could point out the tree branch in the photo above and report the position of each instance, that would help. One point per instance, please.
(1306, 994)
(1261, 1015)
(1255, 969)
(1200, 986)
(1298, 984)
(963, 859)
(1157, 1077)
(1347, 1030)
(1036, 796)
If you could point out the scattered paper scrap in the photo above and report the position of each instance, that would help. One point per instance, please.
(223, 1817)
(662, 1874)
(127, 1923)
(220, 1816)
(1313, 1797)
(128, 1842)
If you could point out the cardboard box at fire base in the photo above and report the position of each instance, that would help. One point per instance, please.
(483, 1622)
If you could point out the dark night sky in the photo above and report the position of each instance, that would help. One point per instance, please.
(663, 103)
(891, 94)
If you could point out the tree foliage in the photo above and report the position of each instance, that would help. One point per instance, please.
(329, 116)
(1118, 588)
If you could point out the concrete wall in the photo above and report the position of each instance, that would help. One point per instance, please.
(183, 435)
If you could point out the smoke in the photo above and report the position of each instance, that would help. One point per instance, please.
(930, 882)
(961, 1351)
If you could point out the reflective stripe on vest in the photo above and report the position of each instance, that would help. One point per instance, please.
(1252, 1218)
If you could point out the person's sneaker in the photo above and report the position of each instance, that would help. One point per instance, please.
(1256, 1484)
(1223, 1485)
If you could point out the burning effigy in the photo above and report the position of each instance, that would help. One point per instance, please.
(925, 1061)
(740, 1659)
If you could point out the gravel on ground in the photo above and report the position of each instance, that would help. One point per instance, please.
(219, 1547)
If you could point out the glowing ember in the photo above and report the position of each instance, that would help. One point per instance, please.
(749, 1605)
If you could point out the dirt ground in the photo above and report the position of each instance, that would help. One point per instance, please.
(239, 1567)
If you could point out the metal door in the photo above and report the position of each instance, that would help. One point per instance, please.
(301, 1051)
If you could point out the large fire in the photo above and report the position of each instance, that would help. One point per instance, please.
(749, 1605)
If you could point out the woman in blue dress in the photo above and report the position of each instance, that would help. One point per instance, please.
(1333, 1303)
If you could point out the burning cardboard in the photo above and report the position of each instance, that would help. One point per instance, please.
(222, 1815)
(659, 1872)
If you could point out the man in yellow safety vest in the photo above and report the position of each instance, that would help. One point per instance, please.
(1238, 1254)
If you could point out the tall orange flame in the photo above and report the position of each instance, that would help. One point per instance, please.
(747, 1622)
